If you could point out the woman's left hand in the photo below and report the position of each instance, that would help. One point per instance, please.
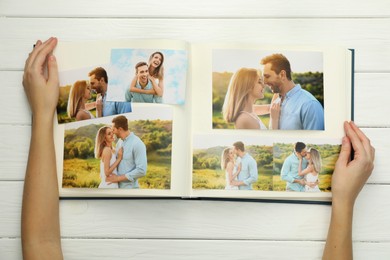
(40, 79)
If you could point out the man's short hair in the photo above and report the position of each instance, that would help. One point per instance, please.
(278, 62)
(240, 146)
(99, 73)
(140, 64)
(299, 146)
(121, 122)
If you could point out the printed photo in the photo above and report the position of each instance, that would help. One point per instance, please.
(267, 90)
(304, 167)
(130, 151)
(83, 95)
(148, 76)
(231, 163)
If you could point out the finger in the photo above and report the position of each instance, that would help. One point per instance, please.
(364, 139)
(52, 70)
(30, 55)
(355, 140)
(45, 49)
(345, 152)
(38, 46)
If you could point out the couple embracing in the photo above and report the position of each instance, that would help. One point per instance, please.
(123, 166)
(240, 167)
(291, 108)
(301, 169)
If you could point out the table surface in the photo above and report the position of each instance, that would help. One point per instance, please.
(176, 229)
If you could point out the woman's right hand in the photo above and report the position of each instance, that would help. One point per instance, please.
(119, 156)
(349, 176)
(275, 111)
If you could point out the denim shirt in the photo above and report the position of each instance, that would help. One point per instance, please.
(289, 172)
(248, 173)
(111, 108)
(300, 110)
(134, 161)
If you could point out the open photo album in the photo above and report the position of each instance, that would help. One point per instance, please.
(171, 119)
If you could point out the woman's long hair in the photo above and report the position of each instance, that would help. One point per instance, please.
(240, 86)
(159, 71)
(315, 158)
(225, 158)
(100, 142)
(76, 95)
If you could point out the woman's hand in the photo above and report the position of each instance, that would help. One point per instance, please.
(40, 80)
(275, 111)
(349, 175)
(119, 156)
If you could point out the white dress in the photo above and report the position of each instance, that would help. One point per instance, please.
(311, 178)
(103, 183)
(227, 184)
(261, 124)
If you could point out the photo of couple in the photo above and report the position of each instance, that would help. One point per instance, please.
(245, 97)
(225, 163)
(240, 167)
(257, 163)
(148, 76)
(131, 151)
(304, 168)
(87, 98)
(120, 167)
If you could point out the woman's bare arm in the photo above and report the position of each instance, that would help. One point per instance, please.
(348, 179)
(40, 209)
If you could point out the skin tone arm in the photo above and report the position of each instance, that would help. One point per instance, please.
(141, 91)
(106, 156)
(158, 88)
(348, 179)
(40, 208)
(229, 169)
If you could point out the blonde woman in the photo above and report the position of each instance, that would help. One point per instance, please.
(312, 170)
(156, 78)
(245, 87)
(80, 92)
(232, 168)
(106, 153)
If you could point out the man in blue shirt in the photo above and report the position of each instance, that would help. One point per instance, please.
(248, 174)
(289, 172)
(134, 161)
(300, 110)
(143, 90)
(99, 80)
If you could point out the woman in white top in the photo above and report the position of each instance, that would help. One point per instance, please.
(156, 76)
(80, 92)
(245, 87)
(312, 170)
(106, 153)
(232, 168)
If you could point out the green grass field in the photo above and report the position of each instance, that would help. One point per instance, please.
(80, 173)
(215, 179)
(325, 183)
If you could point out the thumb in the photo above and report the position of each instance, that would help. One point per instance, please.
(345, 153)
(52, 70)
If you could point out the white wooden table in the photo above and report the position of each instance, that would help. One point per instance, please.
(175, 229)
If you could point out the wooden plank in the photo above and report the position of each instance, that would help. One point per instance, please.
(143, 249)
(183, 219)
(192, 8)
(370, 37)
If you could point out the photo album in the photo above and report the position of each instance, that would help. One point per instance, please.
(172, 119)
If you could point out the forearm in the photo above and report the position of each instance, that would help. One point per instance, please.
(40, 210)
(142, 91)
(261, 109)
(138, 172)
(339, 240)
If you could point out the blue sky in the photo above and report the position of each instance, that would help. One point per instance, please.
(228, 60)
(122, 71)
